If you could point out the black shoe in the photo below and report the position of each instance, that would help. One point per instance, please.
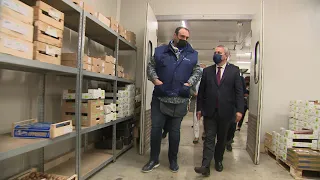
(195, 140)
(229, 147)
(164, 135)
(174, 167)
(205, 171)
(219, 166)
(151, 165)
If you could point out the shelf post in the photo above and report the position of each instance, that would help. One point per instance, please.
(115, 88)
(80, 52)
(41, 114)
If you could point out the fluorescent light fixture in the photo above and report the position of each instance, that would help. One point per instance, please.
(243, 62)
(183, 24)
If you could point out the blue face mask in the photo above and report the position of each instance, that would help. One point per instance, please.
(217, 58)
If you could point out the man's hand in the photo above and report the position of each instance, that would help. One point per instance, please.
(157, 82)
(238, 116)
(187, 84)
(195, 95)
(199, 115)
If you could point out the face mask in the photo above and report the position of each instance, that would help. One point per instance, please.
(201, 69)
(217, 58)
(181, 43)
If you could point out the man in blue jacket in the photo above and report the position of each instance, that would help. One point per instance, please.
(173, 70)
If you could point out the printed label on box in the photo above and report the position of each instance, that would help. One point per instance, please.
(14, 6)
(16, 45)
(52, 32)
(52, 51)
(53, 13)
(13, 26)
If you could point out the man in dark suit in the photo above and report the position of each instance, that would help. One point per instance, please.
(220, 98)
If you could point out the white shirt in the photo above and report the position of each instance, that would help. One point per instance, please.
(223, 67)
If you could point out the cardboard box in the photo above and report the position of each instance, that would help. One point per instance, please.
(88, 8)
(16, 28)
(15, 46)
(17, 10)
(47, 34)
(108, 59)
(103, 19)
(96, 62)
(110, 117)
(91, 106)
(290, 135)
(87, 121)
(98, 94)
(45, 13)
(122, 31)
(87, 67)
(33, 129)
(110, 108)
(131, 37)
(73, 57)
(113, 24)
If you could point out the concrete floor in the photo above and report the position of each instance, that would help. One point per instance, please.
(237, 164)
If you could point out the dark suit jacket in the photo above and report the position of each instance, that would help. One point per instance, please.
(229, 92)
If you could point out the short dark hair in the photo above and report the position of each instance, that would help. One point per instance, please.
(179, 28)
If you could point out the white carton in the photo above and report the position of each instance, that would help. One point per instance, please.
(97, 93)
(290, 135)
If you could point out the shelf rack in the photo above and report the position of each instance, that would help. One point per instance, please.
(85, 24)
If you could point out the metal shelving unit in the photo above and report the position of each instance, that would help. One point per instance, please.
(87, 163)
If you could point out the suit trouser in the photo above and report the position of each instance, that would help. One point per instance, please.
(158, 121)
(231, 131)
(214, 126)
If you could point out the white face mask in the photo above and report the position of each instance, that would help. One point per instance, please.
(201, 69)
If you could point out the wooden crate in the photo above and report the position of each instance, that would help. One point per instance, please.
(56, 129)
(45, 33)
(85, 66)
(16, 28)
(33, 172)
(15, 46)
(114, 24)
(45, 13)
(17, 10)
(47, 53)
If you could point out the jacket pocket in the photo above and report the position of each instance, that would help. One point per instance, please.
(185, 91)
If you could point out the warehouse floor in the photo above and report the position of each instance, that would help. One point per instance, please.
(237, 164)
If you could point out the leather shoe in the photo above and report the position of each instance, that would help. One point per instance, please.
(229, 147)
(205, 171)
(151, 165)
(219, 166)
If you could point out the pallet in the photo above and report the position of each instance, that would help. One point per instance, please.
(45, 33)
(47, 53)
(298, 174)
(270, 153)
(45, 13)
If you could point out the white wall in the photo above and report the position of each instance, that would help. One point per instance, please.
(19, 92)
(291, 57)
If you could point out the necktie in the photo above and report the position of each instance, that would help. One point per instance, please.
(219, 75)
(218, 81)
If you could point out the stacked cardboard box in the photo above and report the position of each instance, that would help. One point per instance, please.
(120, 71)
(122, 31)
(108, 65)
(16, 29)
(114, 24)
(131, 37)
(305, 115)
(49, 24)
(92, 107)
(304, 159)
(110, 112)
(70, 59)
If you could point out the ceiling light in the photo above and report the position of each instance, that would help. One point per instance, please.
(183, 24)
(243, 62)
